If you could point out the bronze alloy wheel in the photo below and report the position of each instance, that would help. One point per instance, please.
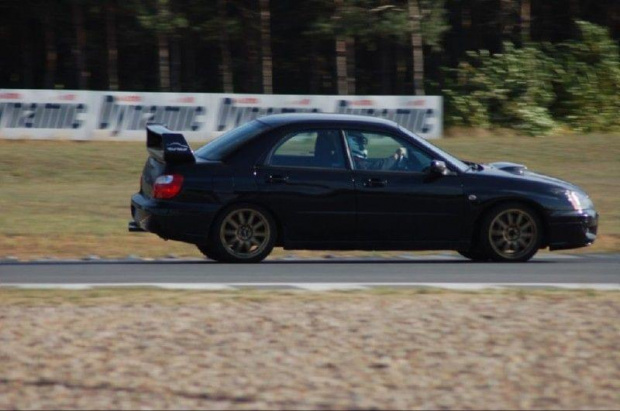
(245, 234)
(513, 234)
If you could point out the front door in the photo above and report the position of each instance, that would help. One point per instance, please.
(398, 200)
(306, 182)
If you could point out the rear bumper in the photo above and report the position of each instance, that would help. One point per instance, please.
(572, 229)
(187, 222)
(133, 227)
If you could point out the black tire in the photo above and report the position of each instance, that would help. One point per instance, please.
(474, 255)
(208, 251)
(511, 232)
(242, 233)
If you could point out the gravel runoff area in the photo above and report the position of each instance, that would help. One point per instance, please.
(381, 349)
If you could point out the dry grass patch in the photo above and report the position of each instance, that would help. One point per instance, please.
(71, 199)
(129, 349)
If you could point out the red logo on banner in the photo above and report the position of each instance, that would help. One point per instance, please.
(302, 102)
(188, 99)
(363, 103)
(129, 99)
(11, 96)
(416, 103)
(247, 100)
(67, 97)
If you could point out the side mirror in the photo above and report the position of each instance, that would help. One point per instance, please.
(439, 167)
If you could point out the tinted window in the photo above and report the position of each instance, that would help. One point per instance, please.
(372, 151)
(313, 148)
(451, 159)
(228, 142)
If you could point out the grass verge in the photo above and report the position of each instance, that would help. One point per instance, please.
(71, 199)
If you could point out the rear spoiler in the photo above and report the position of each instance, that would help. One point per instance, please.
(167, 146)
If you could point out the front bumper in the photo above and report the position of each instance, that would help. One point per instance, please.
(572, 229)
(188, 222)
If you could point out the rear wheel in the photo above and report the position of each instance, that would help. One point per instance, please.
(243, 234)
(511, 232)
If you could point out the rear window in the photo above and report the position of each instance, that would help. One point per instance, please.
(222, 146)
(310, 148)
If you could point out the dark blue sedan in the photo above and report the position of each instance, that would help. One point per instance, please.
(336, 182)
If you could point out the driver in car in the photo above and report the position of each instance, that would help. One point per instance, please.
(359, 152)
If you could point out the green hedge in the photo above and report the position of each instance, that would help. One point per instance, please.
(537, 88)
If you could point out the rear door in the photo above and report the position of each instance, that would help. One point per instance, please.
(398, 200)
(306, 181)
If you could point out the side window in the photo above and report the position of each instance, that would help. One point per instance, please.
(372, 151)
(314, 148)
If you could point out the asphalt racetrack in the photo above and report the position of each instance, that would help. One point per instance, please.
(603, 269)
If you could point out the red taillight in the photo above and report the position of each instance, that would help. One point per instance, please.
(167, 186)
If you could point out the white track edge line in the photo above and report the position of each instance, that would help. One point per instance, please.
(317, 286)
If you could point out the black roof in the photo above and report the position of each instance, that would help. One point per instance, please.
(276, 120)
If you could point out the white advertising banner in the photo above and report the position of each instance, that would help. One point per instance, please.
(124, 115)
(47, 114)
(96, 115)
(420, 114)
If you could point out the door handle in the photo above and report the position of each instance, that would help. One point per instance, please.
(375, 182)
(277, 179)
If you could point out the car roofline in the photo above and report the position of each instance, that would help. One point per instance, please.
(277, 120)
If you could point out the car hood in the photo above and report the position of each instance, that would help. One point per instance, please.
(521, 172)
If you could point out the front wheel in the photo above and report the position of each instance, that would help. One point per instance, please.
(511, 232)
(243, 234)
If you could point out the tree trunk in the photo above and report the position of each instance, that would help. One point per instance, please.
(341, 57)
(163, 46)
(455, 44)
(189, 68)
(164, 61)
(526, 20)
(51, 55)
(384, 63)
(226, 59)
(175, 67)
(80, 44)
(575, 11)
(315, 67)
(265, 39)
(465, 31)
(341, 65)
(506, 21)
(401, 70)
(251, 78)
(350, 64)
(384, 60)
(416, 47)
(111, 42)
(613, 20)
(27, 63)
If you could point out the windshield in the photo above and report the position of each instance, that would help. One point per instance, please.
(453, 160)
(222, 146)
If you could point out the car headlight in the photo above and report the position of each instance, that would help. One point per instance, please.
(579, 201)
